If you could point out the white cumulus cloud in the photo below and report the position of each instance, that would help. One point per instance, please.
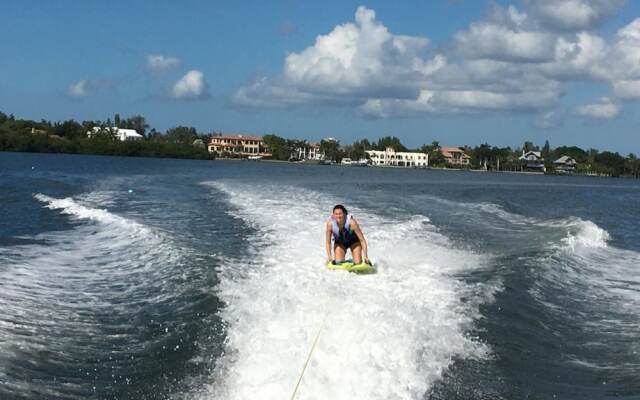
(79, 89)
(160, 63)
(357, 60)
(191, 86)
(511, 60)
(506, 36)
(624, 58)
(579, 56)
(603, 109)
(627, 89)
(364, 65)
(88, 87)
(262, 92)
(549, 119)
(360, 57)
(458, 101)
(574, 14)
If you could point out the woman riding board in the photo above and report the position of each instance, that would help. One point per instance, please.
(346, 234)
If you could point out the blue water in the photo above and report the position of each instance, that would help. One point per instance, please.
(128, 278)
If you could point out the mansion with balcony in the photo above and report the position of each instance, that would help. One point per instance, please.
(455, 156)
(532, 161)
(310, 151)
(390, 157)
(565, 165)
(238, 145)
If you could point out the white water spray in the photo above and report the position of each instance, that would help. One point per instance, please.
(386, 336)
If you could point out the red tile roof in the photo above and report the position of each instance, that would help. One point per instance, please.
(449, 151)
(241, 137)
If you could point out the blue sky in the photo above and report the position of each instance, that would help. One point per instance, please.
(461, 72)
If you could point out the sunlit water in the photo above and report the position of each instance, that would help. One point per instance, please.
(125, 278)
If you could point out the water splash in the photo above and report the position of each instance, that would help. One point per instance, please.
(400, 328)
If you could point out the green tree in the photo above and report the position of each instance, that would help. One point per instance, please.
(199, 143)
(70, 137)
(610, 163)
(632, 165)
(434, 151)
(546, 154)
(481, 155)
(181, 134)
(136, 122)
(591, 160)
(69, 129)
(572, 151)
(505, 159)
(390, 141)
(331, 149)
(277, 146)
(357, 150)
(529, 146)
(293, 145)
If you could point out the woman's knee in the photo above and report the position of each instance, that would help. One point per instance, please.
(339, 251)
(356, 251)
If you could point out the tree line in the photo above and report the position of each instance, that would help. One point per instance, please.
(589, 161)
(483, 156)
(70, 136)
(286, 149)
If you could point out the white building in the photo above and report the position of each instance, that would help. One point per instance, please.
(532, 160)
(122, 134)
(310, 152)
(390, 157)
(565, 164)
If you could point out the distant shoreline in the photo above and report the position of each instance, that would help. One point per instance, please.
(233, 159)
(422, 168)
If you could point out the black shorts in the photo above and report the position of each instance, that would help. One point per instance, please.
(347, 242)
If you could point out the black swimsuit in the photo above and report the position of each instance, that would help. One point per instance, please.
(346, 238)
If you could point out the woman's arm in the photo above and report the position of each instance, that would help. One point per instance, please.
(358, 231)
(327, 241)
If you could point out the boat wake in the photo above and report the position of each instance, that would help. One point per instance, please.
(72, 299)
(400, 328)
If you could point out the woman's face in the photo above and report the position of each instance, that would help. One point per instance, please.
(338, 214)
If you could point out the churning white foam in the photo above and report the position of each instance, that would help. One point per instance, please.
(610, 269)
(603, 279)
(53, 291)
(72, 207)
(587, 235)
(384, 336)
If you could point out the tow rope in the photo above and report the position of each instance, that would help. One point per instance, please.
(313, 347)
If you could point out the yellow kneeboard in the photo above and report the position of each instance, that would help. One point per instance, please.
(348, 265)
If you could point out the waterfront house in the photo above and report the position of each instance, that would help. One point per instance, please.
(455, 156)
(35, 131)
(532, 161)
(565, 165)
(238, 145)
(120, 133)
(310, 151)
(390, 157)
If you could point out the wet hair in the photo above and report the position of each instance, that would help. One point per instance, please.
(341, 207)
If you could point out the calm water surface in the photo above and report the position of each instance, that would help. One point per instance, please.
(128, 278)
